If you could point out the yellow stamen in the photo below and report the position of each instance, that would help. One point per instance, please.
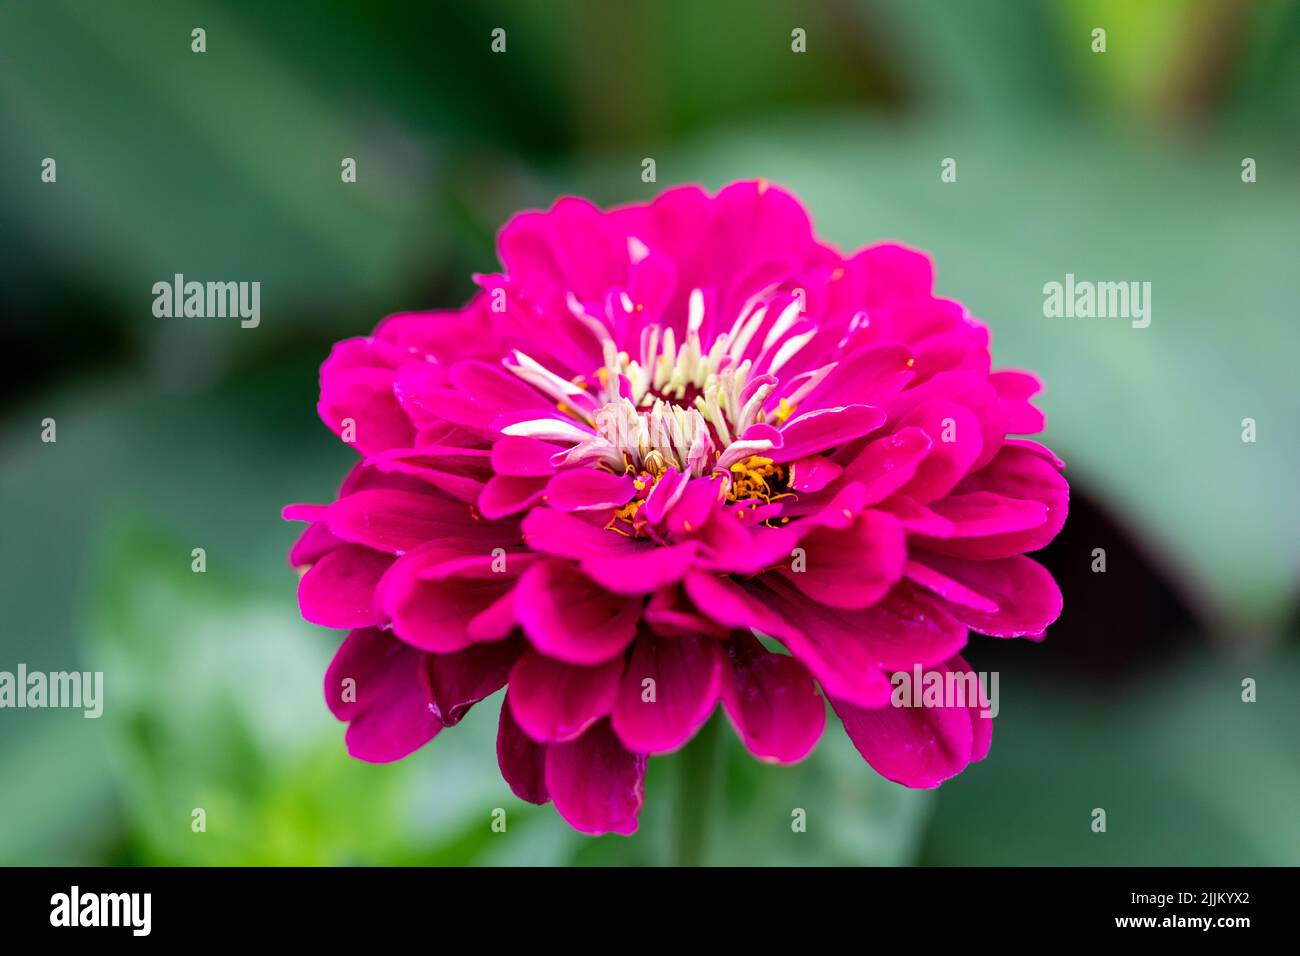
(783, 412)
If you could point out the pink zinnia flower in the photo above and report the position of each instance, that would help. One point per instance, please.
(661, 429)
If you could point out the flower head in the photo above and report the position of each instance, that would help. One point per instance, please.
(659, 431)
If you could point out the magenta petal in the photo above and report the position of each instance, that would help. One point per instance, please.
(359, 403)
(495, 388)
(458, 681)
(666, 492)
(312, 545)
(726, 602)
(870, 375)
(842, 661)
(522, 760)
(339, 590)
(555, 701)
(771, 700)
(587, 489)
(596, 784)
(1015, 389)
(955, 444)
(435, 614)
(908, 627)
(826, 428)
(1024, 591)
(1016, 472)
(570, 536)
(659, 717)
(641, 571)
(813, 473)
(394, 521)
(921, 746)
(523, 457)
(888, 463)
(568, 617)
(376, 683)
(948, 589)
(854, 567)
(504, 495)
(915, 746)
(979, 514)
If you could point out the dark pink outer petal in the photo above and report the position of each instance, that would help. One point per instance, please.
(955, 445)
(1026, 594)
(554, 701)
(585, 489)
(596, 784)
(687, 671)
(522, 760)
(825, 428)
(460, 680)
(339, 589)
(364, 395)
(854, 567)
(570, 618)
(843, 663)
(918, 746)
(771, 700)
(376, 684)
(313, 544)
(1022, 473)
(888, 463)
(394, 521)
(445, 615)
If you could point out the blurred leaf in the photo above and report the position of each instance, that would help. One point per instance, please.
(1187, 773)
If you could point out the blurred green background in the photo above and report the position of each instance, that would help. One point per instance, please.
(183, 433)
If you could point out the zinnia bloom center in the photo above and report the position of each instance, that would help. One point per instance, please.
(675, 407)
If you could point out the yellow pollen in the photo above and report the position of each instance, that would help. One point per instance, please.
(754, 478)
(783, 412)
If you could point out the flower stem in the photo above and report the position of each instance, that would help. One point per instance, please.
(698, 775)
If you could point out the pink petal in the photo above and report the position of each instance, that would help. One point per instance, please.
(955, 445)
(826, 428)
(555, 701)
(844, 664)
(522, 760)
(1024, 591)
(813, 473)
(586, 489)
(979, 514)
(437, 614)
(339, 589)
(872, 375)
(895, 273)
(686, 671)
(458, 681)
(918, 746)
(1016, 473)
(523, 457)
(771, 701)
(376, 684)
(888, 463)
(568, 617)
(365, 396)
(507, 494)
(855, 567)
(395, 521)
(641, 571)
(596, 784)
